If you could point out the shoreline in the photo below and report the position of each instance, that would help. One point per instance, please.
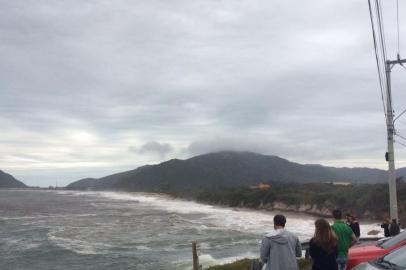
(288, 209)
(277, 207)
(291, 211)
(282, 207)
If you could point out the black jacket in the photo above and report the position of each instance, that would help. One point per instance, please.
(394, 229)
(355, 229)
(385, 227)
(322, 260)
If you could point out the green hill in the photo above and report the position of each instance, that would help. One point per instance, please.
(226, 169)
(8, 181)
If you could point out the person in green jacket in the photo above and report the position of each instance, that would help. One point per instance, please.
(346, 238)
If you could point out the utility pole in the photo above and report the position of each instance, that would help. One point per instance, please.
(390, 155)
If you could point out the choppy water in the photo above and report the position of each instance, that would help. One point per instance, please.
(109, 230)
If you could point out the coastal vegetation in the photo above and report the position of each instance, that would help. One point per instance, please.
(230, 179)
(364, 201)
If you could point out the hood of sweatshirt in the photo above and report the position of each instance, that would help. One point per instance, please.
(278, 236)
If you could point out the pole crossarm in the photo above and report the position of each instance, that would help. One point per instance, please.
(394, 62)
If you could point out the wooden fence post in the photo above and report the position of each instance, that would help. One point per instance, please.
(195, 257)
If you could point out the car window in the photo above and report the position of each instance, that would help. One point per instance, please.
(397, 257)
(394, 240)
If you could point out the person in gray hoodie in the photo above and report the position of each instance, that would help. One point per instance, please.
(280, 247)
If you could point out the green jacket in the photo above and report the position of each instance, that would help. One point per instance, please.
(344, 236)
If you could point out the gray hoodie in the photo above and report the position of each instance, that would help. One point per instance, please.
(279, 250)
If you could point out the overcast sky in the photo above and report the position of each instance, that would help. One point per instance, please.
(88, 88)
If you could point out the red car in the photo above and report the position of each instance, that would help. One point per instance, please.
(368, 251)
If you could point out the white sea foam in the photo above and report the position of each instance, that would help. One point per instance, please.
(17, 218)
(21, 244)
(208, 260)
(76, 245)
(143, 248)
(46, 216)
(32, 246)
(244, 220)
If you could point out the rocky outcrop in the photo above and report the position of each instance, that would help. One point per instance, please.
(313, 209)
(302, 208)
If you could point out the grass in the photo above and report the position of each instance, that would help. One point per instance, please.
(244, 264)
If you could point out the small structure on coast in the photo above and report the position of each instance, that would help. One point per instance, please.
(341, 183)
(261, 186)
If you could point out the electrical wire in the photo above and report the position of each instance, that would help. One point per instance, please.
(381, 29)
(397, 20)
(399, 121)
(377, 58)
(397, 23)
(401, 143)
(400, 136)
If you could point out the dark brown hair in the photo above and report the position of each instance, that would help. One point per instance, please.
(324, 236)
(279, 220)
(337, 214)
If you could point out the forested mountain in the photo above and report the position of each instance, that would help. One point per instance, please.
(227, 169)
(8, 181)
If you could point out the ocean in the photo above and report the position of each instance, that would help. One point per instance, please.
(55, 229)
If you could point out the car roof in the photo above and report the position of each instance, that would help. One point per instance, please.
(397, 252)
(394, 240)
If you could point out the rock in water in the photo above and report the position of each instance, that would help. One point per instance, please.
(373, 232)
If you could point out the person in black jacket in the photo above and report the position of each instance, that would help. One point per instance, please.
(323, 247)
(353, 223)
(385, 226)
(394, 228)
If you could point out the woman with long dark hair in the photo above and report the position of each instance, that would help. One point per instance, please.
(323, 247)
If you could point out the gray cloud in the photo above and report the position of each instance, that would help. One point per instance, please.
(83, 82)
(161, 149)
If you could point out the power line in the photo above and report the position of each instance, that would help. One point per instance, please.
(401, 143)
(401, 122)
(377, 58)
(404, 111)
(398, 31)
(397, 20)
(400, 136)
(381, 29)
